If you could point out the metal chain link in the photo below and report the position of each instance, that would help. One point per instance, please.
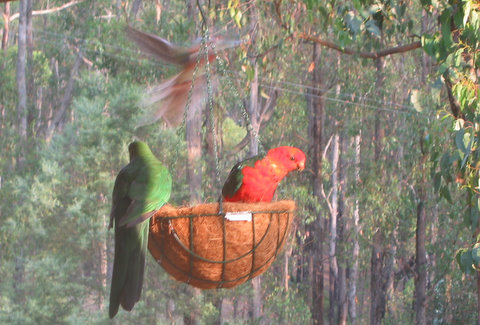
(182, 129)
(236, 95)
(210, 105)
(203, 52)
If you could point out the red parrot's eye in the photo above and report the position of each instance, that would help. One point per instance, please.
(292, 157)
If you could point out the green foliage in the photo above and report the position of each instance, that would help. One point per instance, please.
(468, 259)
(232, 133)
(454, 48)
(286, 307)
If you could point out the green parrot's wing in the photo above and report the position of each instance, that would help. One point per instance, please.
(120, 199)
(235, 178)
(148, 191)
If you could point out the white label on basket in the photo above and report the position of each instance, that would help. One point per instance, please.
(239, 216)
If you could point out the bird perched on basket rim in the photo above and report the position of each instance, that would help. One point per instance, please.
(169, 99)
(255, 179)
(141, 187)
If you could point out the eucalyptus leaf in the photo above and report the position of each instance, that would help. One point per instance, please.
(373, 28)
(459, 140)
(437, 181)
(474, 215)
(466, 262)
(476, 255)
(466, 11)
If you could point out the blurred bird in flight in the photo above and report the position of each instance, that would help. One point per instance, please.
(169, 99)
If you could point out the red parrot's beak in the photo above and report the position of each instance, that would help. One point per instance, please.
(301, 165)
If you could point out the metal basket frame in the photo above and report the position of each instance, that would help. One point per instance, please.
(191, 249)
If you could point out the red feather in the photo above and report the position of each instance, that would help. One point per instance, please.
(258, 183)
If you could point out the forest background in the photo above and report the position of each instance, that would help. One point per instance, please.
(381, 95)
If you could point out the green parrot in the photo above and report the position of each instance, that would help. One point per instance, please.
(142, 187)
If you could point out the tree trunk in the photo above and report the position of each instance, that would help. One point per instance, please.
(31, 91)
(21, 75)
(342, 226)
(191, 5)
(256, 306)
(377, 290)
(21, 71)
(66, 99)
(314, 246)
(390, 272)
(449, 305)
(134, 10)
(253, 112)
(332, 245)
(425, 58)
(194, 150)
(194, 179)
(103, 266)
(254, 104)
(192, 316)
(6, 26)
(286, 259)
(213, 150)
(420, 265)
(19, 275)
(377, 276)
(158, 10)
(342, 295)
(352, 294)
(420, 251)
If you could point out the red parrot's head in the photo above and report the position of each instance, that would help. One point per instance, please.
(290, 158)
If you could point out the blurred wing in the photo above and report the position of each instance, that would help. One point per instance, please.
(169, 99)
(159, 47)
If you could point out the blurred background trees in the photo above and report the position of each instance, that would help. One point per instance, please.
(382, 95)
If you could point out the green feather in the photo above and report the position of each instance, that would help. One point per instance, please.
(141, 188)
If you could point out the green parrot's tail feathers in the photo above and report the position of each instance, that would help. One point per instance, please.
(128, 267)
(133, 286)
(132, 289)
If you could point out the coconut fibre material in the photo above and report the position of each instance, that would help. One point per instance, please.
(198, 246)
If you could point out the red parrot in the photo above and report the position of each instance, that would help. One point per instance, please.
(170, 97)
(256, 179)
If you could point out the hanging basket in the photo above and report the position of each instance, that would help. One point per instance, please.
(198, 246)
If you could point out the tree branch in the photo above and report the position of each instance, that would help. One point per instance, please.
(367, 55)
(454, 106)
(266, 110)
(48, 11)
(67, 98)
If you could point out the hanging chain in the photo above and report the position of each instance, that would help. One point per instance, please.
(237, 97)
(182, 129)
(204, 52)
(210, 104)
